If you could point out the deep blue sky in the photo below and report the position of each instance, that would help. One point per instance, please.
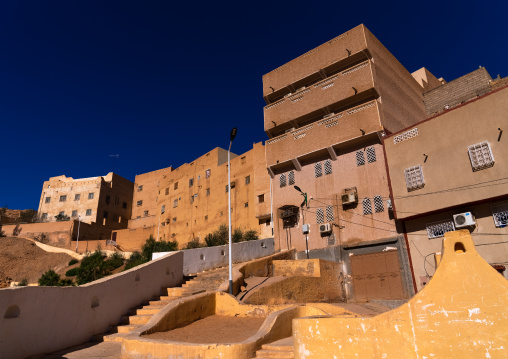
(162, 82)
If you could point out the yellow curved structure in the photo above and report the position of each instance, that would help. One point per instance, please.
(461, 313)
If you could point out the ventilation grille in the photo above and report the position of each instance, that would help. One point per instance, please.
(405, 136)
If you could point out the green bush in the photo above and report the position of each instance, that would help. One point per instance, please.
(49, 279)
(152, 246)
(73, 261)
(91, 268)
(23, 283)
(113, 262)
(135, 260)
(65, 282)
(193, 244)
(218, 237)
(72, 272)
(250, 235)
(237, 235)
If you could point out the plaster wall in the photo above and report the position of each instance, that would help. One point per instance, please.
(38, 320)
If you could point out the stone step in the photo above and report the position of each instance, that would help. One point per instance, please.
(159, 302)
(117, 337)
(125, 328)
(282, 354)
(136, 319)
(149, 309)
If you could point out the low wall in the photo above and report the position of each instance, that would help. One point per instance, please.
(132, 239)
(38, 320)
(58, 233)
(201, 259)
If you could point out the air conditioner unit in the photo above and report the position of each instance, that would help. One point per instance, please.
(349, 197)
(325, 228)
(463, 220)
(289, 130)
(328, 115)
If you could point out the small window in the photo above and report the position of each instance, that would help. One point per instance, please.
(367, 206)
(500, 213)
(105, 214)
(174, 219)
(227, 188)
(318, 169)
(481, 156)
(145, 213)
(88, 212)
(360, 158)
(291, 178)
(199, 177)
(108, 199)
(329, 214)
(246, 204)
(378, 204)
(139, 203)
(74, 213)
(328, 167)
(371, 154)
(320, 218)
(282, 180)
(124, 205)
(140, 188)
(191, 199)
(44, 216)
(261, 198)
(175, 203)
(90, 195)
(175, 186)
(244, 160)
(414, 178)
(163, 209)
(438, 229)
(167, 191)
(191, 182)
(208, 191)
(63, 198)
(206, 218)
(48, 200)
(207, 173)
(247, 180)
(77, 197)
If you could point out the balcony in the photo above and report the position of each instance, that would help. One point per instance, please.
(328, 132)
(343, 87)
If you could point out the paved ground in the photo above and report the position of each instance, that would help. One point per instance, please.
(107, 350)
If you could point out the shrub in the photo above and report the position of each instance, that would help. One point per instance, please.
(42, 237)
(65, 282)
(152, 246)
(218, 237)
(49, 279)
(250, 235)
(237, 235)
(62, 217)
(73, 261)
(29, 216)
(23, 283)
(193, 244)
(135, 260)
(113, 262)
(72, 272)
(91, 268)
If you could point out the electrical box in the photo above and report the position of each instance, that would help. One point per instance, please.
(306, 228)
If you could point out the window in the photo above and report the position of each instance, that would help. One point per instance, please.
(328, 167)
(207, 173)
(139, 203)
(318, 169)
(191, 199)
(261, 198)
(247, 180)
(174, 219)
(62, 213)
(282, 180)
(145, 213)
(481, 156)
(221, 213)
(414, 178)
(108, 199)
(105, 214)
(329, 214)
(243, 160)
(175, 203)
(167, 191)
(320, 218)
(208, 191)
(500, 213)
(360, 158)
(291, 178)
(163, 209)
(63, 198)
(378, 204)
(371, 154)
(44, 216)
(140, 188)
(206, 218)
(74, 213)
(246, 204)
(77, 197)
(90, 195)
(438, 229)
(227, 188)
(199, 177)
(367, 206)
(88, 212)
(191, 182)
(48, 200)
(124, 205)
(175, 186)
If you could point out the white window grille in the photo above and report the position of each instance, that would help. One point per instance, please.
(282, 180)
(481, 156)
(414, 178)
(328, 167)
(500, 213)
(318, 169)
(329, 214)
(320, 218)
(405, 136)
(378, 204)
(360, 158)
(367, 206)
(291, 178)
(371, 154)
(438, 229)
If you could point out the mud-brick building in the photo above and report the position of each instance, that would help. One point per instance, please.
(450, 171)
(191, 201)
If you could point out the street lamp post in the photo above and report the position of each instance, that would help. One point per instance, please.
(303, 217)
(231, 138)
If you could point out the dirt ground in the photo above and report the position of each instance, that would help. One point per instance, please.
(21, 258)
(213, 329)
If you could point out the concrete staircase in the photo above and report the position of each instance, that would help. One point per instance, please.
(282, 349)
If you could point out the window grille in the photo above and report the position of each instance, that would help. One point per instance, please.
(291, 178)
(328, 167)
(63, 198)
(318, 169)
(360, 158)
(405, 136)
(367, 206)
(282, 180)
(414, 178)
(329, 214)
(48, 200)
(500, 213)
(320, 218)
(371, 154)
(88, 212)
(438, 229)
(378, 204)
(481, 156)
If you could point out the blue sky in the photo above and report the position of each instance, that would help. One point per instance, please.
(160, 83)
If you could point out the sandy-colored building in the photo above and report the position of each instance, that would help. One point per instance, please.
(191, 201)
(450, 172)
(105, 200)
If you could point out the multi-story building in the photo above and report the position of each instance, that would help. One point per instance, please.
(105, 200)
(326, 114)
(450, 171)
(191, 201)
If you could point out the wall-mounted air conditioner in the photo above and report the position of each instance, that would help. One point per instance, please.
(289, 130)
(325, 228)
(350, 196)
(465, 219)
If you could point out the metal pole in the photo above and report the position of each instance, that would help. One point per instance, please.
(229, 212)
(77, 241)
(306, 236)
